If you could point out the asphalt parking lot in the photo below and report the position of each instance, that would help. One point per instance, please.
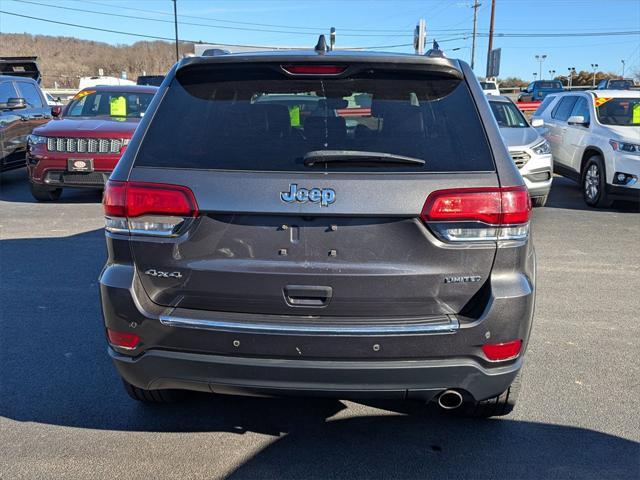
(63, 413)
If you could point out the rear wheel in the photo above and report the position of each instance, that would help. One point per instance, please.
(539, 201)
(594, 183)
(152, 396)
(498, 406)
(45, 194)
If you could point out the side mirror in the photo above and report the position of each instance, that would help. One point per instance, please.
(537, 122)
(577, 120)
(56, 111)
(16, 103)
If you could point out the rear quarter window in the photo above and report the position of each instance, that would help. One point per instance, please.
(548, 100)
(258, 118)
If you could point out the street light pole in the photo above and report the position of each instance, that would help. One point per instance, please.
(540, 59)
(552, 74)
(622, 68)
(175, 22)
(534, 76)
(572, 70)
(595, 67)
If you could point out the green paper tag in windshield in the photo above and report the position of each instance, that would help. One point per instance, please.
(118, 107)
(294, 115)
(636, 113)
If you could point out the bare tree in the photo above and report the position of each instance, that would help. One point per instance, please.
(63, 60)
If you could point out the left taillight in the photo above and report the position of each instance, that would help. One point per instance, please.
(140, 208)
(478, 214)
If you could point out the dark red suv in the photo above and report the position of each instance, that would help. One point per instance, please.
(82, 145)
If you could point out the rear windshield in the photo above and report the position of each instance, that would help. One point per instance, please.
(556, 85)
(89, 103)
(488, 85)
(258, 118)
(619, 111)
(620, 84)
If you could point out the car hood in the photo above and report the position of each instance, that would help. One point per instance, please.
(87, 126)
(519, 137)
(629, 134)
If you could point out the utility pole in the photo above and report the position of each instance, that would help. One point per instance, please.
(475, 7)
(175, 22)
(493, 12)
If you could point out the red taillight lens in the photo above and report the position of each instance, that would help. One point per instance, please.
(134, 199)
(114, 199)
(516, 205)
(314, 69)
(495, 206)
(502, 351)
(123, 339)
(470, 204)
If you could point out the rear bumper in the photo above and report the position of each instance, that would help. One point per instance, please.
(219, 355)
(419, 379)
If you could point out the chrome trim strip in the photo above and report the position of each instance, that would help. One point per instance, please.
(182, 322)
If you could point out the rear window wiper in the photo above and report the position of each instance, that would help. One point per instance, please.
(357, 156)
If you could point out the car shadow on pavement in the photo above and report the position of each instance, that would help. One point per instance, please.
(55, 370)
(14, 187)
(566, 194)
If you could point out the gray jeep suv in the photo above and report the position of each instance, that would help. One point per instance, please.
(369, 240)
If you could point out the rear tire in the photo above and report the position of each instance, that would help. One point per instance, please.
(45, 194)
(152, 396)
(594, 185)
(498, 406)
(539, 201)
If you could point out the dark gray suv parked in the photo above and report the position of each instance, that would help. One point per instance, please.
(370, 240)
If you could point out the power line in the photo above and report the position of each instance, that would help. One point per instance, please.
(127, 33)
(297, 30)
(188, 41)
(157, 12)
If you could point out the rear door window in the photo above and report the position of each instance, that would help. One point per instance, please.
(259, 118)
(562, 111)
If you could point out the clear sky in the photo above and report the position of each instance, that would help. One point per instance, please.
(363, 23)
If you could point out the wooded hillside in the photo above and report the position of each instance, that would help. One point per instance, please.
(65, 59)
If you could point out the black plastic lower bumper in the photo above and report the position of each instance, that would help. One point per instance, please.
(95, 179)
(420, 379)
(623, 193)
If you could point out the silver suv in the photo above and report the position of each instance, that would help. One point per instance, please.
(373, 242)
(530, 151)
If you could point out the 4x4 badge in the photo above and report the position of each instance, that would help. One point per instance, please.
(323, 196)
(157, 273)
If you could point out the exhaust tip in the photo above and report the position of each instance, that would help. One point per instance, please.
(450, 400)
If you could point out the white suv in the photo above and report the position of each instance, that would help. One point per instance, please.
(595, 140)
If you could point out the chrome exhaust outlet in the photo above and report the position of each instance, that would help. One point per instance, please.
(449, 400)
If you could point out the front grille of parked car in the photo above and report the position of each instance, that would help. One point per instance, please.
(84, 145)
(520, 158)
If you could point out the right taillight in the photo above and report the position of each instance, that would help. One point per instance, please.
(141, 208)
(478, 214)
